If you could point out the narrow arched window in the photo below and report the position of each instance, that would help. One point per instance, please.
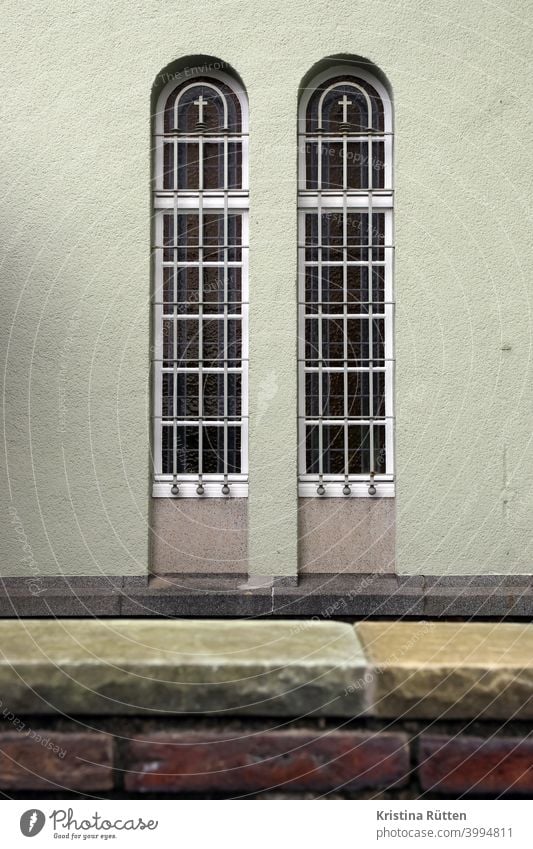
(345, 285)
(201, 283)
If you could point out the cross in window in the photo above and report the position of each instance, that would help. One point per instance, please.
(345, 103)
(200, 103)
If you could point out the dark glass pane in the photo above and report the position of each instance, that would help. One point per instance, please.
(378, 379)
(332, 166)
(216, 348)
(311, 289)
(333, 449)
(378, 164)
(201, 108)
(380, 452)
(332, 341)
(169, 295)
(187, 340)
(357, 165)
(234, 238)
(213, 289)
(188, 237)
(188, 289)
(311, 165)
(345, 107)
(167, 406)
(168, 166)
(188, 166)
(311, 236)
(325, 286)
(167, 444)
(180, 290)
(333, 405)
(311, 394)
(213, 450)
(311, 449)
(359, 449)
(168, 238)
(187, 395)
(187, 450)
(234, 165)
(311, 340)
(378, 288)
(168, 342)
(234, 450)
(358, 340)
(333, 395)
(214, 237)
(332, 288)
(213, 165)
(214, 395)
(357, 236)
(358, 394)
(186, 454)
(332, 236)
(378, 331)
(357, 288)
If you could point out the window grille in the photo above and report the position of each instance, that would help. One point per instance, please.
(201, 289)
(345, 287)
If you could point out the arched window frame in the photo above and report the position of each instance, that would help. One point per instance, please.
(374, 482)
(199, 485)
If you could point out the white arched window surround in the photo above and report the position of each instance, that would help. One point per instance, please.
(214, 467)
(332, 417)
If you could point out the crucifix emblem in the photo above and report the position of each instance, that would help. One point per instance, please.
(200, 103)
(345, 103)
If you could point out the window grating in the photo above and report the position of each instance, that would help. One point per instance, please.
(345, 288)
(200, 305)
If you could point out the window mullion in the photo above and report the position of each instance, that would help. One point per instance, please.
(200, 314)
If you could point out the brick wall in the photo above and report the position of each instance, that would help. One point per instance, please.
(133, 757)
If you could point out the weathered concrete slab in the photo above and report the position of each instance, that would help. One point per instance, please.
(462, 670)
(119, 666)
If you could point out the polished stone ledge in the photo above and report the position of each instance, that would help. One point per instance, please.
(330, 596)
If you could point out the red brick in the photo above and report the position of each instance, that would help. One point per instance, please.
(27, 764)
(192, 762)
(475, 765)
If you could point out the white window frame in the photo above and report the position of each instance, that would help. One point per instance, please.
(334, 486)
(191, 201)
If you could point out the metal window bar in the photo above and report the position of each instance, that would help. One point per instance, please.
(172, 253)
(379, 359)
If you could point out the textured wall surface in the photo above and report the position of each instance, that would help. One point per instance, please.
(189, 535)
(346, 535)
(74, 226)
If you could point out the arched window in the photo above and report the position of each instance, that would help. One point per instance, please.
(345, 285)
(201, 284)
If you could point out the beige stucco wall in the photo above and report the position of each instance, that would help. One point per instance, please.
(74, 227)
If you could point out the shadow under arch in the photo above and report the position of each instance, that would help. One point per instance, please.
(348, 59)
(188, 68)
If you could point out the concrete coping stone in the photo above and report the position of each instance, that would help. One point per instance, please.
(132, 666)
(292, 668)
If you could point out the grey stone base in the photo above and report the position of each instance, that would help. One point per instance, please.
(325, 595)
